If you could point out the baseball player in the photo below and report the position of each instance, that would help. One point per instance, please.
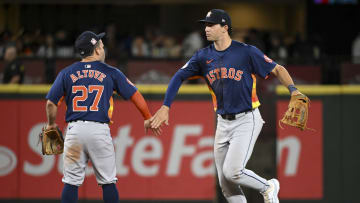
(229, 68)
(87, 88)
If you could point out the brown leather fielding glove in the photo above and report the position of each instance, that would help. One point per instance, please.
(297, 113)
(52, 141)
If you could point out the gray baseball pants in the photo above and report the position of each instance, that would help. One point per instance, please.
(234, 143)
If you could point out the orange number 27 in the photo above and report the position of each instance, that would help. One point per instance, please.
(84, 96)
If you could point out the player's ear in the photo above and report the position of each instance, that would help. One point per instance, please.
(97, 51)
(226, 28)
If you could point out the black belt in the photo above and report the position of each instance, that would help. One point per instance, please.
(232, 116)
(86, 120)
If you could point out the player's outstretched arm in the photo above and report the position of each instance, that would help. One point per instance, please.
(162, 115)
(285, 79)
(298, 109)
(142, 106)
(51, 110)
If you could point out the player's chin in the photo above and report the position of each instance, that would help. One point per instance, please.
(209, 38)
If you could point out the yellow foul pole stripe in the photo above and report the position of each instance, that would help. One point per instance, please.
(196, 89)
(184, 89)
(321, 89)
(144, 89)
(25, 89)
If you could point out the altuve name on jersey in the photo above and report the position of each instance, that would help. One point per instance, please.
(87, 74)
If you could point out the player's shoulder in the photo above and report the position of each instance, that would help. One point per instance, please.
(110, 69)
(108, 66)
(207, 49)
(113, 71)
(204, 52)
(247, 48)
(241, 45)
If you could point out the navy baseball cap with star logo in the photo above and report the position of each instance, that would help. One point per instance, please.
(86, 42)
(217, 16)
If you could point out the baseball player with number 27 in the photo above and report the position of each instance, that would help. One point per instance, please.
(229, 68)
(87, 87)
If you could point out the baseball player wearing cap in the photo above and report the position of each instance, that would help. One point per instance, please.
(229, 68)
(87, 87)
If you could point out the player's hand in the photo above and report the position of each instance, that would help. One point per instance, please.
(52, 126)
(147, 126)
(296, 92)
(160, 117)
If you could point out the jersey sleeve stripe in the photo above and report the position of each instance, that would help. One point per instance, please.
(60, 100)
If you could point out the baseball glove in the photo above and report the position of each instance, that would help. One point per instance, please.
(297, 112)
(52, 141)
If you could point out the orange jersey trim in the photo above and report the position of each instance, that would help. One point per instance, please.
(60, 100)
(213, 96)
(254, 98)
(111, 109)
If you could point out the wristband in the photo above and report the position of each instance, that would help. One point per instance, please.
(292, 88)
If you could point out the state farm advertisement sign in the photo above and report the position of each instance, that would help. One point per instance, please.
(300, 156)
(176, 165)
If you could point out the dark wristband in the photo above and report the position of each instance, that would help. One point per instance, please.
(292, 88)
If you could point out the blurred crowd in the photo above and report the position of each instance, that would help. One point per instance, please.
(153, 43)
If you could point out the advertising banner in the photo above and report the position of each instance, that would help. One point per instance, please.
(176, 165)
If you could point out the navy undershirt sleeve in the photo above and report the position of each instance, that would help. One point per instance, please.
(173, 88)
(191, 68)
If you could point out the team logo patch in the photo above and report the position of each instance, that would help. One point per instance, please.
(267, 59)
(186, 64)
(93, 41)
(88, 66)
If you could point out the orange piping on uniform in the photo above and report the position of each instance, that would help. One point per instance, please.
(111, 109)
(213, 96)
(254, 97)
(60, 100)
(195, 77)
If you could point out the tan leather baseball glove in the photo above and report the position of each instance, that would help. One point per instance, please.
(52, 141)
(297, 112)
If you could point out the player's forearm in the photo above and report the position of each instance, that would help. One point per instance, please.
(283, 75)
(285, 79)
(51, 110)
(172, 89)
(141, 104)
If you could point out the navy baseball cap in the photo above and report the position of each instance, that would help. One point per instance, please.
(217, 16)
(86, 42)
